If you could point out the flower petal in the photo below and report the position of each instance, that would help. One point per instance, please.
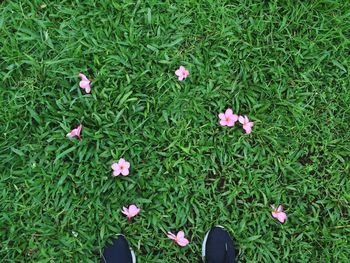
(230, 123)
(180, 234)
(127, 165)
(125, 211)
(281, 217)
(78, 130)
(84, 84)
(125, 171)
(133, 210)
(241, 119)
(222, 116)
(83, 77)
(247, 129)
(274, 214)
(228, 112)
(116, 172)
(171, 236)
(115, 166)
(183, 242)
(280, 208)
(223, 123)
(88, 89)
(250, 124)
(234, 117)
(186, 73)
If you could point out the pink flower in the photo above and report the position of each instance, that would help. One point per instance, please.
(279, 214)
(228, 118)
(182, 73)
(247, 125)
(84, 83)
(179, 238)
(122, 167)
(130, 212)
(75, 132)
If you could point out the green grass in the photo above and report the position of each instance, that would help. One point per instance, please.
(283, 63)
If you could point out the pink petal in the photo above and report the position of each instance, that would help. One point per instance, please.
(182, 68)
(133, 210)
(228, 112)
(125, 211)
(222, 116)
(241, 119)
(231, 123)
(125, 171)
(234, 117)
(180, 78)
(88, 89)
(280, 208)
(83, 77)
(250, 124)
(115, 166)
(116, 172)
(223, 123)
(246, 120)
(171, 236)
(84, 84)
(281, 217)
(127, 165)
(78, 130)
(178, 73)
(274, 214)
(248, 129)
(181, 234)
(74, 132)
(183, 242)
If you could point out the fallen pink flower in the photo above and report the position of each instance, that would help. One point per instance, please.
(279, 214)
(130, 212)
(228, 118)
(84, 83)
(75, 132)
(179, 238)
(122, 167)
(247, 125)
(182, 73)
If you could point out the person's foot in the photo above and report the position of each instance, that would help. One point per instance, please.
(118, 252)
(218, 247)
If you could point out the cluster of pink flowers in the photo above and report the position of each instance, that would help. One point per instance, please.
(228, 118)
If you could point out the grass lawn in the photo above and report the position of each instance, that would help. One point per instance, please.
(283, 63)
